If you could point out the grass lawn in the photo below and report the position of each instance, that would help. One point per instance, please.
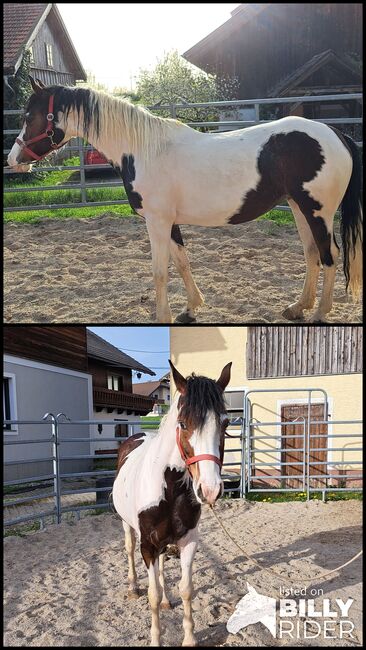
(279, 497)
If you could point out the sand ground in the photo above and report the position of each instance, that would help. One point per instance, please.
(67, 585)
(98, 270)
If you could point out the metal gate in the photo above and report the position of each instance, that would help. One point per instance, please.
(258, 464)
(268, 455)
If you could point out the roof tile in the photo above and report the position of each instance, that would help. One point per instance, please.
(20, 19)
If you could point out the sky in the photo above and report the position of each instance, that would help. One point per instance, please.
(114, 41)
(142, 344)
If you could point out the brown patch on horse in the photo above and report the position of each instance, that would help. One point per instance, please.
(177, 513)
(127, 446)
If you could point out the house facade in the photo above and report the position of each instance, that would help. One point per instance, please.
(289, 50)
(113, 396)
(286, 362)
(56, 369)
(45, 371)
(158, 390)
(39, 29)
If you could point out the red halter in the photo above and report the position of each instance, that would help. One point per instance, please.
(195, 459)
(49, 133)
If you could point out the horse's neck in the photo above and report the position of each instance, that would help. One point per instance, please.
(166, 438)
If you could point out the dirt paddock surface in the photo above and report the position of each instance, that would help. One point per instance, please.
(99, 270)
(67, 585)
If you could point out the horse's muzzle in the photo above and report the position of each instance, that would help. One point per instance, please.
(209, 494)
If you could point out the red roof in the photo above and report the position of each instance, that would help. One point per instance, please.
(22, 22)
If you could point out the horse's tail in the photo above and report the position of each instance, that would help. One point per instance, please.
(351, 224)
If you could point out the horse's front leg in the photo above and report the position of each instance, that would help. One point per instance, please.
(187, 546)
(159, 234)
(155, 591)
(194, 296)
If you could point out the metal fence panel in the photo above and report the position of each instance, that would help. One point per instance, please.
(242, 481)
(80, 147)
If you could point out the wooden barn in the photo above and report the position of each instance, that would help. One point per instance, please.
(288, 50)
(281, 365)
(39, 28)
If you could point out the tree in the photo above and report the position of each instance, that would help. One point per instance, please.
(174, 80)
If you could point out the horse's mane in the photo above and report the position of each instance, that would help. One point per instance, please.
(202, 395)
(105, 115)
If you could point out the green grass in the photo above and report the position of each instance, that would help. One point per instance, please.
(22, 529)
(273, 497)
(70, 195)
(150, 422)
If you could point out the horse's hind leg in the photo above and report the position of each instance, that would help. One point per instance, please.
(165, 602)
(312, 258)
(130, 543)
(180, 259)
(321, 227)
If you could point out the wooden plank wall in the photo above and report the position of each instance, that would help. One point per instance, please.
(288, 351)
(61, 346)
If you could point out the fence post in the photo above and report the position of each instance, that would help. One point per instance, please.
(243, 449)
(173, 111)
(256, 109)
(56, 464)
(308, 449)
(82, 170)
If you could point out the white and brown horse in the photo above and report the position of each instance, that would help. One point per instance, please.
(162, 480)
(175, 175)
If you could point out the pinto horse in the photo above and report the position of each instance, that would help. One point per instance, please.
(163, 479)
(175, 175)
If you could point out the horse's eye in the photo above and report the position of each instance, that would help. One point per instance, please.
(182, 426)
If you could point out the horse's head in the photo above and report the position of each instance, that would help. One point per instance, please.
(200, 430)
(41, 133)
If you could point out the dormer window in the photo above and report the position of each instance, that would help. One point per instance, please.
(49, 55)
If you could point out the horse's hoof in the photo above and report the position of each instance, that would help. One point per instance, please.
(166, 605)
(133, 595)
(291, 315)
(184, 317)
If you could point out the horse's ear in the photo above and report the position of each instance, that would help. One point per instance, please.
(224, 378)
(37, 85)
(179, 380)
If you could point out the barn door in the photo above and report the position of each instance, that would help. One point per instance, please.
(293, 443)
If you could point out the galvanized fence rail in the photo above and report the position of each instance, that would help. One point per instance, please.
(275, 470)
(80, 147)
(243, 429)
(56, 440)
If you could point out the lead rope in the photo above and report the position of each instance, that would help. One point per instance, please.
(278, 575)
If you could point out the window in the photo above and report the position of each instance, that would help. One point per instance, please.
(113, 382)
(31, 54)
(9, 403)
(49, 55)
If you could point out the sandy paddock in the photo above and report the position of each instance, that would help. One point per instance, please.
(98, 270)
(67, 585)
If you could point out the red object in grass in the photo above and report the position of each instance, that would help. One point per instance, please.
(94, 157)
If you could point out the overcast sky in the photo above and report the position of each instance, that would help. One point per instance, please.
(114, 41)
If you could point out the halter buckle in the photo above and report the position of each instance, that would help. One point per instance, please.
(50, 117)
